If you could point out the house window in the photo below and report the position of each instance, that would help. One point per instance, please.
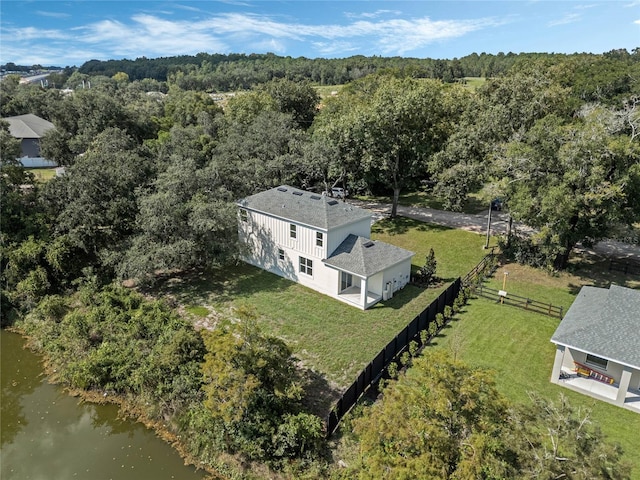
(306, 266)
(280, 254)
(319, 239)
(293, 232)
(243, 215)
(597, 361)
(346, 280)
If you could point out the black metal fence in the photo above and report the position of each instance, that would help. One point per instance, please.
(376, 369)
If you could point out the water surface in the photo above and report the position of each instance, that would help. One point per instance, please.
(45, 434)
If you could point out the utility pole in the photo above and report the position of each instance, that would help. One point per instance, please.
(486, 245)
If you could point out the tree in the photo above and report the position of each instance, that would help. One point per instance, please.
(187, 219)
(427, 272)
(556, 440)
(95, 202)
(442, 419)
(573, 181)
(296, 98)
(503, 109)
(252, 388)
(392, 126)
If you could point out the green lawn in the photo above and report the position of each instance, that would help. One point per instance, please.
(425, 199)
(42, 174)
(334, 339)
(515, 344)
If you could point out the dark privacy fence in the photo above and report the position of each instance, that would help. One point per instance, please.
(377, 367)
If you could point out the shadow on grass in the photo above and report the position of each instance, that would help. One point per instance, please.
(320, 396)
(221, 284)
(399, 299)
(400, 225)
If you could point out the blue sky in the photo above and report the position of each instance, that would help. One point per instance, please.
(58, 32)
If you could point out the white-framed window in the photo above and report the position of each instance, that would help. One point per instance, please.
(319, 239)
(306, 266)
(280, 254)
(597, 362)
(244, 216)
(293, 231)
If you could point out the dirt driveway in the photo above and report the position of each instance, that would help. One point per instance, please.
(499, 224)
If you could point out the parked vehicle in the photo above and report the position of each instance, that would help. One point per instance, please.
(337, 192)
(496, 204)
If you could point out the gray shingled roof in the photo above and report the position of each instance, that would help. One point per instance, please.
(28, 126)
(303, 207)
(365, 257)
(604, 322)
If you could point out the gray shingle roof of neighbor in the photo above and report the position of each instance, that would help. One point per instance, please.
(365, 257)
(604, 322)
(304, 207)
(28, 126)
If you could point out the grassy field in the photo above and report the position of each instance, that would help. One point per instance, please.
(515, 344)
(332, 338)
(474, 82)
(42, 174)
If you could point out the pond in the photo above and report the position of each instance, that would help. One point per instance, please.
(47, 434)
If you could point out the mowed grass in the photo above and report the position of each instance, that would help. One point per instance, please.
(42, 174)
(332, 338)
(515, 345)
(426, 199)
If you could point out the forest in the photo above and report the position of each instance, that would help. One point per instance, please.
(154, 163)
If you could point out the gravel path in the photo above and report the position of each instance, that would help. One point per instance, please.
(499, 224)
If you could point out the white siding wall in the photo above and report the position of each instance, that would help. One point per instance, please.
(265, 234)
(397, 275)
(361, 228)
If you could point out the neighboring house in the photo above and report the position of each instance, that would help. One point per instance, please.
(322, 243)
(599, 339)
(29, 129)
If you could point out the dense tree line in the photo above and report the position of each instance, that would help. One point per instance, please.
(153, 171)
(218, 72)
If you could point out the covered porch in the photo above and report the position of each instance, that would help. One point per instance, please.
(354, 295)
(609, 393)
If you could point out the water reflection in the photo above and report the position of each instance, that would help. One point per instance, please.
(47, 434)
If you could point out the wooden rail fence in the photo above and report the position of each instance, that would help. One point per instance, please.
(518, 301)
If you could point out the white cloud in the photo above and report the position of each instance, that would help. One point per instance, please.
(52, 14)
(568, 18)
(637, 22)
(152, 35)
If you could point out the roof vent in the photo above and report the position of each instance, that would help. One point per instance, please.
(282, 189)
(368, 244)
(297, 193)
(332, 202)
(315, 197)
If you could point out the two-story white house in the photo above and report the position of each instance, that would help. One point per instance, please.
(322, 243)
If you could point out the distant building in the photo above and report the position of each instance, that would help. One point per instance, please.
(29, 129)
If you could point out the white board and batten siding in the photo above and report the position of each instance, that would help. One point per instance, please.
(265, 235)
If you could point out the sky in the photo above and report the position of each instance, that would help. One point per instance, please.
(69, 33)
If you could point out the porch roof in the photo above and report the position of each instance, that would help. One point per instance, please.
(365, 257)
(603, 322)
